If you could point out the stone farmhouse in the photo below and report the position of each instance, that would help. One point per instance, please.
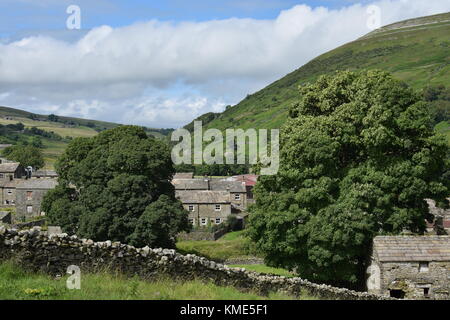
(25, 193)
(210, 200)
(206, 206)
(412, 267)
(29, 195)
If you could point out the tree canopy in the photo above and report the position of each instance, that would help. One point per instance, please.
(116, 186)
(358, 157)
(27, 155)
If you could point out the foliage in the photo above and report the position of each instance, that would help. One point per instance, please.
(160, 223)
(112, 183)
(439, 98)
(358, 158)
(27, 155)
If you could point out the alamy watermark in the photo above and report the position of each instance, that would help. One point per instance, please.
(74, 281)
(233, 149)
(74, 20)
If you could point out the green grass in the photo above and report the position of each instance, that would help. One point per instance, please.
(17, 284)
(261, 268)
(418, 55)
(233, 245)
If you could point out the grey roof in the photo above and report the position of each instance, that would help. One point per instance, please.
(37, 184)
(9, 167)
(203, 196)
(412, 248)
(190, 184)
(226, 185)
(44, 173)
(183, 175)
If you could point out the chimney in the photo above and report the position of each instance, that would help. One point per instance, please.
(207, 183)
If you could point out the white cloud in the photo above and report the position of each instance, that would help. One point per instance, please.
(162, 73)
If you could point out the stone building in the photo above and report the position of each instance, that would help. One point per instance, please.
(10, 171)
(416, 267)
(38, 174)
(205, 207)
(29, 195)
(203, 196)
(8, 193)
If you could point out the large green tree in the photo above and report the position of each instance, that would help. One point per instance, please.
(27, 155)
(113, 184)
(358, 157)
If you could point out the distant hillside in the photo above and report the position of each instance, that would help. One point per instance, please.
(64, 127)
(416, 51)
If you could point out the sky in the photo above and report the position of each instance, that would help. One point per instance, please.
(162, 63)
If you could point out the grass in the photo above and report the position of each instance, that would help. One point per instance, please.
(233, 245)
(18, 284)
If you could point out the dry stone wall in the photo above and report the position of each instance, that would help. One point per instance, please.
(52, 254)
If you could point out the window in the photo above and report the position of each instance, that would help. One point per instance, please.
(203, 221)
(9, 191)
(191, 208)
(426, 292)
(29, 209)
(423, 267)
(218, 220)
(29, 195)
(218, 207)
(191, 221)
(237, 197)
(2, 175)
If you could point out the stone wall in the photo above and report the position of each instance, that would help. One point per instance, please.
(201, 235)
(34, 250)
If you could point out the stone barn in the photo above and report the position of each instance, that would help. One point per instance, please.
(411, 267)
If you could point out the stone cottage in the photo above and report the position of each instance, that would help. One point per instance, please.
(10, 171)
(8, 193)
(415, 267)
(29, 195)
(205, 207)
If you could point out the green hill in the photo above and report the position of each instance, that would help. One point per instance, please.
(416, 51)
(64, 128)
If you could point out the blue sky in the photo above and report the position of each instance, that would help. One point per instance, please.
(163, 63)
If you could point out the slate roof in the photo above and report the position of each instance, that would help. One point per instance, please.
(183, 175)
(203, 196)
(224, 185)
(37, 184)
(9, 167)
(190, 184)
(412, 248)
(44, 173)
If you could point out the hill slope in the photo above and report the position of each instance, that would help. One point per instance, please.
(65, 127)
(416, 51)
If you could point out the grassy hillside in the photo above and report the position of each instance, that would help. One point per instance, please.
(17, 284)
(416, 51)
(65, 127)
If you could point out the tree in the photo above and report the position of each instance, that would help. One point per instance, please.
(111, 183)
(27, 155)
(160, 223)
(358, 157)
